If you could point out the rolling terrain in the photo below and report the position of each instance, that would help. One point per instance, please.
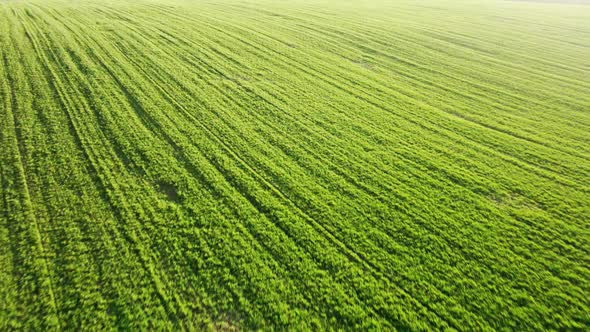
(301, 165)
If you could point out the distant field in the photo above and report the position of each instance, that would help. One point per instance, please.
(294, 165)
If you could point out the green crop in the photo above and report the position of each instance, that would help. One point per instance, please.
(294, 165)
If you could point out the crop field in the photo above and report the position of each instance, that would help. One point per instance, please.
(294, 165)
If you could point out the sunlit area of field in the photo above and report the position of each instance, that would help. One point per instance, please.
(294, 165)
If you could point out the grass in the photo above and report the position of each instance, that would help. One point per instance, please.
(301, 165)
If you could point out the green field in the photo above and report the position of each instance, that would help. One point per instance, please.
(294, 165)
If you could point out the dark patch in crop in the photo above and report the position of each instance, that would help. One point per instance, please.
(170, 191)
